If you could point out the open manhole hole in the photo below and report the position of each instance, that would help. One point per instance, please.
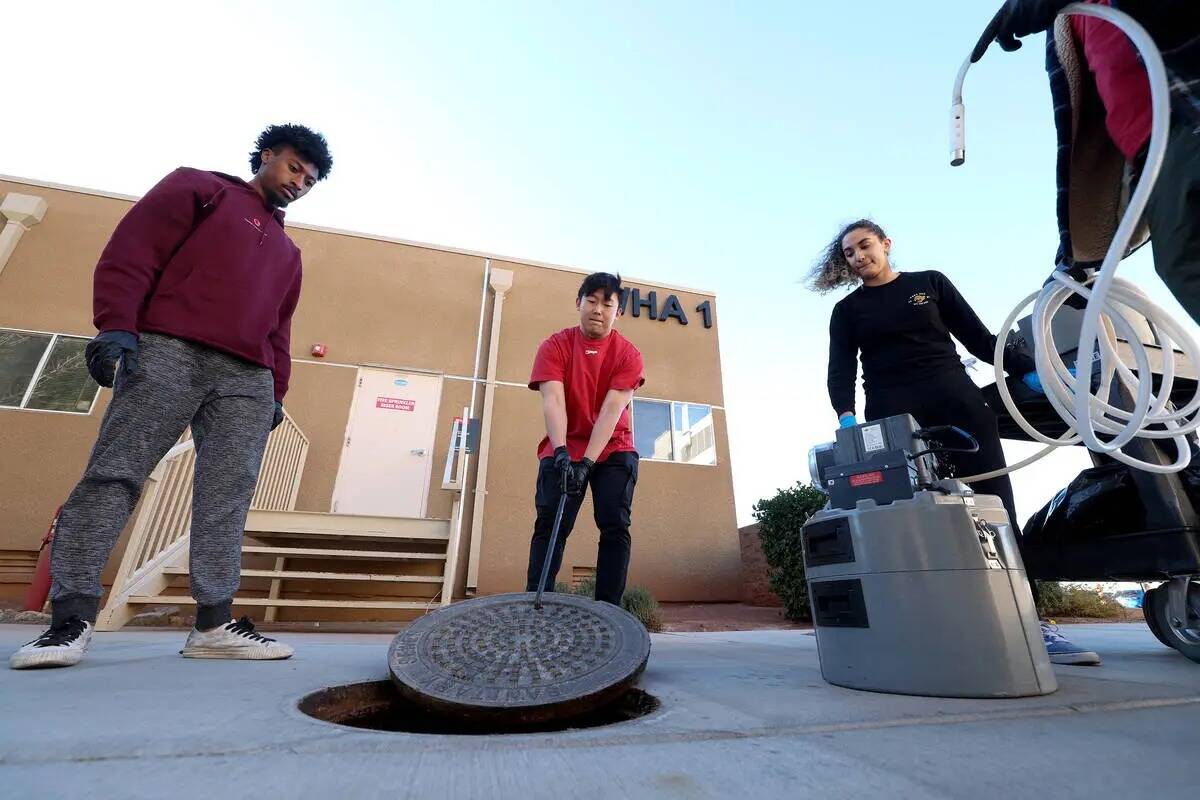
(378, 706)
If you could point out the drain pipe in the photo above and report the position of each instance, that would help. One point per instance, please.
(22, 211)
(501, 281)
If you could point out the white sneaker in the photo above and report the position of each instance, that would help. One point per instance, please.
(235, 639)
(62, 645)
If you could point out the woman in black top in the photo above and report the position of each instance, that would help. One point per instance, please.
(901, 324)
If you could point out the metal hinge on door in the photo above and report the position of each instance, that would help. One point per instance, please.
(347, 441)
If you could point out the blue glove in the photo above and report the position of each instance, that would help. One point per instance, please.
(278, 417)
(848, 421)
(1032, 380)
(108, 348)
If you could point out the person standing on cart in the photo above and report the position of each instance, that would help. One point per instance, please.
(1103, 113)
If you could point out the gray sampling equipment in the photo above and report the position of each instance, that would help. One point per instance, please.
(915, 582)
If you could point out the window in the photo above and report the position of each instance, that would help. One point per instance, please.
(670, 431)
(45, 372)
(695, 436)
(652, 429)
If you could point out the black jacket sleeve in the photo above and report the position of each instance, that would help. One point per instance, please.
(966, 326)
(843, 361)
(1173, 24)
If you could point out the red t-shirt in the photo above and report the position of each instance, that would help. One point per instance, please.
(1121, 81)
(588, 369)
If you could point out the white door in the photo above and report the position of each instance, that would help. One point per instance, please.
(388, 453)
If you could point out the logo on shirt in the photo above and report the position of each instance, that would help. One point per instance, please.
(587, 352)
(256, 222)
(919, 299)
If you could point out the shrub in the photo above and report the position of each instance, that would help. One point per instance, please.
(1060, 600)
(780, 519)
(637, 600)
(1049, 595)
(586, 587)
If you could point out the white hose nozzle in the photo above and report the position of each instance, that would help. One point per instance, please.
(958, 135)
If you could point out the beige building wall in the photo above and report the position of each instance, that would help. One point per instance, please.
(47, 286)
(380, 303)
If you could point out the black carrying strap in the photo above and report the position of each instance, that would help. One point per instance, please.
(937, 447)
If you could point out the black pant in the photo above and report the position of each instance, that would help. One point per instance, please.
(1174, 217)
(951, 398)
(612, 482)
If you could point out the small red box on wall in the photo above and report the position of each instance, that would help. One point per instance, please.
(318, 350)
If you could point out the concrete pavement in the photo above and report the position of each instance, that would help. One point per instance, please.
(744, 714)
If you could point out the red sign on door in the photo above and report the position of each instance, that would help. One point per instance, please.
(395, 403)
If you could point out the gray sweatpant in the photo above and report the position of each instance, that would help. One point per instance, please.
(229, 404)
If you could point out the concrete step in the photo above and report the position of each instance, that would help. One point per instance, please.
(174, 599)
(317, 552)
(261, 524)
(322, 576)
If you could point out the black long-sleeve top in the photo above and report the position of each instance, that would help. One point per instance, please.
(902, 330)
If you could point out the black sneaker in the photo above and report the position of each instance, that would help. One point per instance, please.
(62, 645)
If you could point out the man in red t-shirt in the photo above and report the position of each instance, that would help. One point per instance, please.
(587, 375)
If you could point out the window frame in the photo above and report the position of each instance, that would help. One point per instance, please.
(37, 374)
(671, 404)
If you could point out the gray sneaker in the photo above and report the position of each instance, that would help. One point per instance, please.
(235, 639)
(62, 645)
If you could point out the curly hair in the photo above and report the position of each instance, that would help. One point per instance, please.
(831, 270)
(311, 146)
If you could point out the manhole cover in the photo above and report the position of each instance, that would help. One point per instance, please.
(498, 658)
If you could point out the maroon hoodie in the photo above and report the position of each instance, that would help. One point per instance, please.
(202, 257)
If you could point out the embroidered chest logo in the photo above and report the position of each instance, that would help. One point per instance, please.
(587, 352)
(256, 222)
(919, 299)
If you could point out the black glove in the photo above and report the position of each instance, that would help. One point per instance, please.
(103, 353)
(1017, 18)
(562, 468)
(1018, 356)
(580, 472)
(278, 418)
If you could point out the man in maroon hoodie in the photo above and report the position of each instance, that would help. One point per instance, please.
(193, 300)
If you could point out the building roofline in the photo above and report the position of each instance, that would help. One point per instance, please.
(372, 236)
